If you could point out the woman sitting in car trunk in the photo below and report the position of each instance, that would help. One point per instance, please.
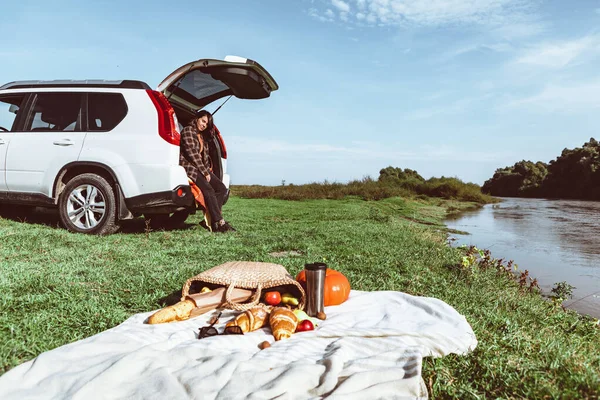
(193, 156)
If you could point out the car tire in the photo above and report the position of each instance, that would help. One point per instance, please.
(88, 205)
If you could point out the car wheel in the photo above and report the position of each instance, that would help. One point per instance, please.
(88, 205)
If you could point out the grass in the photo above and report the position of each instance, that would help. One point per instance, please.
(59, 287)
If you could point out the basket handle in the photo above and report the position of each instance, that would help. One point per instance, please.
(229, 303)
(186, 288)
(302, 295)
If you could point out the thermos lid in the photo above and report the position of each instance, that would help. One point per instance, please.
(318, 266)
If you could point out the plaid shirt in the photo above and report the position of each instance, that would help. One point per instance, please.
(193, 152)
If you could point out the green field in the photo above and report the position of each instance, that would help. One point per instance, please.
(58, 287)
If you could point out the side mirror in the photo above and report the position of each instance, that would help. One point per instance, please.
(13, 108)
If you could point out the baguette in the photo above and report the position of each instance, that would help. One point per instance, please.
(177, 312)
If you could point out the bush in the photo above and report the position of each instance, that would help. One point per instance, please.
(409, 185)
(455, 189)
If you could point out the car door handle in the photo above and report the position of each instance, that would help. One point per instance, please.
(2, 141)
(64, 142)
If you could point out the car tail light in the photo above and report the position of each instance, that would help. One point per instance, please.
(221, 142)
(180, 192)
(166, 117)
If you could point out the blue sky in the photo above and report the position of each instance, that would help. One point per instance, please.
(446, 87)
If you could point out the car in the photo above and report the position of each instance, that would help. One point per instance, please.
(106, 151)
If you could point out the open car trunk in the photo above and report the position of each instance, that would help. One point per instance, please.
(194, 85)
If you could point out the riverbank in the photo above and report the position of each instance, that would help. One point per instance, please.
(59, 287)
(554, 240)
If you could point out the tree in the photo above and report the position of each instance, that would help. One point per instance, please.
(523, 179)
(575, 174)
(393, 174)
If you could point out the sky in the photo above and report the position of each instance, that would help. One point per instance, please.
(453, 88)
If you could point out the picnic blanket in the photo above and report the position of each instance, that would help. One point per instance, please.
(369, 347)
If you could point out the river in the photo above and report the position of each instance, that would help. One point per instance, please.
(556, 240)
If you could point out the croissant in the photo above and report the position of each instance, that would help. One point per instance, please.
(177, 312)
(283, 322)
(251, 320)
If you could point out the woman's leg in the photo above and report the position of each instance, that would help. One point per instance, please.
(220, 191)
(219, 188)
(210, 198)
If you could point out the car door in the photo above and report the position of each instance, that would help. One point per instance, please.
(196, 84)
(10, 104)
(52, 136)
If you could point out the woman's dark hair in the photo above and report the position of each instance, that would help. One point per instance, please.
(210, 125)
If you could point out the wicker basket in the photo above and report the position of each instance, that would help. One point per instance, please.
(246, 275)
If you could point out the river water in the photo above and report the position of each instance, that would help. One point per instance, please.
(556, 240)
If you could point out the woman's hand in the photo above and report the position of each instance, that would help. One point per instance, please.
(207, 177)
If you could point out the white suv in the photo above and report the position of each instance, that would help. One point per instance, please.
(106, 151)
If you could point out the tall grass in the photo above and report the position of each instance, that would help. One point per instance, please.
(369, 189)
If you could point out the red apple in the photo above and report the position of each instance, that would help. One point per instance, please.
(272, 298)
(305, 325)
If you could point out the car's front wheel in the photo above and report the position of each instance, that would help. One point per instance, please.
(88, 205)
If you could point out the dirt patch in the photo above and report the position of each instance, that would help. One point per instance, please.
(292, 253)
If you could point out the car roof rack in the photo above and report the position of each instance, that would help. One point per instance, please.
(95, 83)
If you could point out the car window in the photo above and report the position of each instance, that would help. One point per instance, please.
(55, 112)
(105, 111)
(9, 109)
(198, 85)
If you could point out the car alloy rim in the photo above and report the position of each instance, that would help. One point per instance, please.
(86, 206)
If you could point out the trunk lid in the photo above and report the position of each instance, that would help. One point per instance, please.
(198, 83)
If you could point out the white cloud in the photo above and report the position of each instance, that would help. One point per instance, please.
(454, 108)
(265, 146)
(380, 64)
(499, 47)
(460, 51)
(258, 148)
(560, 54)
(327, 16)
(435, 95)
(579, 97)
(495, 13)
(341, 5)
(512, 29)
